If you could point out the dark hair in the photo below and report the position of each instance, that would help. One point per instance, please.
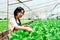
(18, 9)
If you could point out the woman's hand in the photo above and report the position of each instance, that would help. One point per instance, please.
(29, 29)
(26, 25)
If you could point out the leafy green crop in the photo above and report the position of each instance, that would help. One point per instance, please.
(3, 25)
(43, 30)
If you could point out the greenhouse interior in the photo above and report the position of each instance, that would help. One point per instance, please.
(43, 16)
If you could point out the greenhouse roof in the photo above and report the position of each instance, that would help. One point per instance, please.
(34, 6)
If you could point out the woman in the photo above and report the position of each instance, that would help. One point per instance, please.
(15, 23)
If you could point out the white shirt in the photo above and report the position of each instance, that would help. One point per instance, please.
(12, 23)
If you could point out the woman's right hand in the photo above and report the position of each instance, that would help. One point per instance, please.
(29, 29)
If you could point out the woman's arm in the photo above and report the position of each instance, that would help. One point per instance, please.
(24, 28)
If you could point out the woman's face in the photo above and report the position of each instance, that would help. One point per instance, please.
(20, 14)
